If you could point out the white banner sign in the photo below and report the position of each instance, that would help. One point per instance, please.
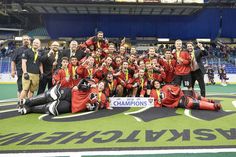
(131, 102)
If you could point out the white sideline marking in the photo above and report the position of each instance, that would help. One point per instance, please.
(7, 103)
(141, 110)
(74, 115)
(234, 103)
(187, 113)
(138, 119)
(129, 152)
(15, 109)
(9, 100)
(44, 115)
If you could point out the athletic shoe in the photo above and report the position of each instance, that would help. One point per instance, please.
(54, 92)
(24, 110)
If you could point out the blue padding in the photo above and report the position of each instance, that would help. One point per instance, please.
(205, 24)
(229, 23)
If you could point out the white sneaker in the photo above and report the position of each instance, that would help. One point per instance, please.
(22, 111)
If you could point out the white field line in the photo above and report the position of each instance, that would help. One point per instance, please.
(9, 100)
(234, 103)
(138, 119)
(7, 103)
(15, 109)
(73, 115)
(44, 115)
(187, 112)
(129, 152)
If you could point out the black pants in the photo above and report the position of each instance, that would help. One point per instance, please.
(19, 83)
(43, 83)
(199, 76)
(39, 103)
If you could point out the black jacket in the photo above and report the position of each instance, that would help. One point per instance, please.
(198, 56)
(79, 54)
(48, 63)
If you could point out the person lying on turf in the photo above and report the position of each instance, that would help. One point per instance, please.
(172, 96)
(85, 96)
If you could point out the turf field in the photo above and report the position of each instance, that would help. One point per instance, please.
(121, 128)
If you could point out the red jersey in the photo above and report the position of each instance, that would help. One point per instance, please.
(110, 87)
(148, 59)
(102, 100)
(170, 95)
(96, 43)
(80, 99)
(124, 78)
(150, 75)
(62, 76)
(84, 72)
(155, 93)
(133, 66)
(74, 76)
(169, 69)
(142, 82)
(184, 67)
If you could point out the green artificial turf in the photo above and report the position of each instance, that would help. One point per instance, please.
(133, 133)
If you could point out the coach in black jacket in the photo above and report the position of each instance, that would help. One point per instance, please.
(74, 51)
(50, 61)
(197, 67)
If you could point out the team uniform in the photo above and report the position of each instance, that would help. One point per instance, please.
(168, 66)
(93, 41)
(73, 75)
(155, 93)
(182, 70)
(172, 96)
(110, 87)
(62, 77)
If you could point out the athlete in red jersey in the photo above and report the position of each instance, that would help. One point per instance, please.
(172, 96)
(62, 75)
(138, 85)
(87, 70)
(123, 77)
(182, 68)
(168, 64)
(73, 65)
(110, 85)
(155, 93)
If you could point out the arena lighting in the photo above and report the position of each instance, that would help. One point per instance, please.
(163, 39)
(203, 40)
(18, 38)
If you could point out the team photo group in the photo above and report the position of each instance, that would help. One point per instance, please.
(84, 76)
